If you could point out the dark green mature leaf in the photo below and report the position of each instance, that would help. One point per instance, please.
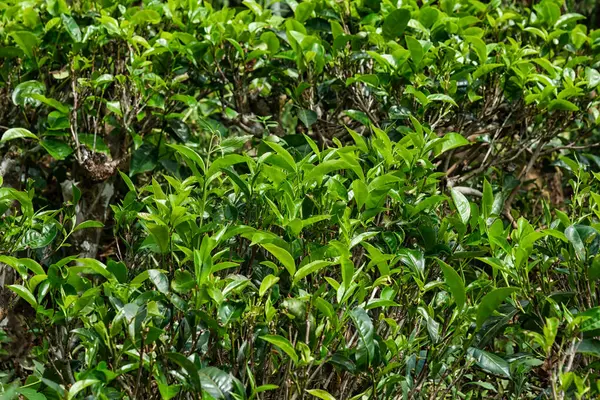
(310, 268)
(308, 117)
(490, 302)
(22, 95)
(412, 258)
(455, 283)
(31, 394)
(224, 162)
(432, 201)
(88, 224)
(580, 236)
(395, 23)
(144, 159)
(415, 48)
(183, 282)
(433, 327)
(160, 280)
(217, 383)
(488, 199)
(178, 129)
(36, 239)
(591, 320)
(192, 158)
(358, 116)
(71, 27)
(189, 367)
(57, 148)
(365, 351)
(490, 362)
(589, 347)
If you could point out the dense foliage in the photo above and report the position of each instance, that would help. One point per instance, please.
(295, 200)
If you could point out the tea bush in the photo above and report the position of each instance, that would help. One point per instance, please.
(296, 200)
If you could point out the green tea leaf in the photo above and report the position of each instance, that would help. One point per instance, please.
(455, 283)
(304, 10)
(490, 302)
(27, 41)
(17, 133)
(71, 27)
(395, 23)
(284, 257)
(321, 394)
(283, 344)
(79, 386)
(490, 362)
(462, 205)
(267, 282)
(365, 351)
(310, 268)
(24, 293)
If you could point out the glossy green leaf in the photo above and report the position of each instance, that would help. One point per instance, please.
(160, 280)
(58, 149)
(189, 367)
(308, 117)
(321, 394)
(580, 236)
(23, 93)
(365, 351)
(283, 344)
(88, 225)
(282, 255)
(71, 27)
(17, 133)
(310, 268)
(462, 205)
(80, 386)
(24, 293)
(490, 302)
(267, 282)
(455, 283)
(490, 362)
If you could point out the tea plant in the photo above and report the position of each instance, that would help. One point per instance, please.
(318, 199)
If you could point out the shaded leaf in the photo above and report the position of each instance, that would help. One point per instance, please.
(365, 352)
(490, 362)
(455, 283)
(490, 302)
